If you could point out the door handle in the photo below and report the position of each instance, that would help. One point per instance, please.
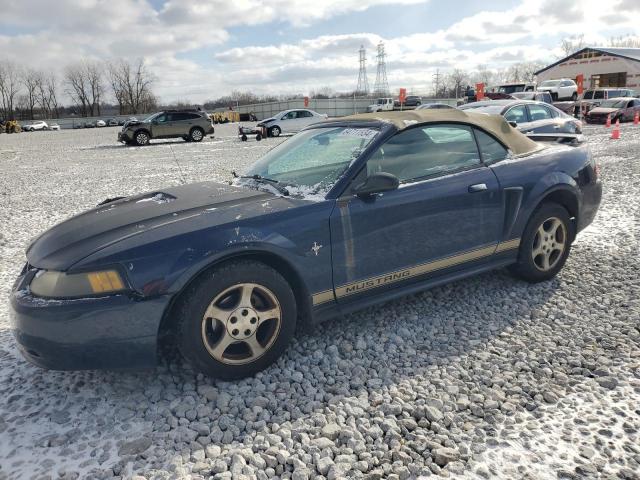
(478, 187)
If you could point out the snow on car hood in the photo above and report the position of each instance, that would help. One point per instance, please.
(74, 239)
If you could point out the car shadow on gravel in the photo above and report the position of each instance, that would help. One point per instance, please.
(356, 360)
(120, 146)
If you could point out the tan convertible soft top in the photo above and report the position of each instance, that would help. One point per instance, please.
(495, 124)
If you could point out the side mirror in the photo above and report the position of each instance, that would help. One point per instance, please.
(514, 124)
(377, 183)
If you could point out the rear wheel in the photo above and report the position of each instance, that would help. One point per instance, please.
(196, 134)
(545, 245)
(236, 320)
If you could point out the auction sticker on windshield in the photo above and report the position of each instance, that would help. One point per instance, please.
(367, 133)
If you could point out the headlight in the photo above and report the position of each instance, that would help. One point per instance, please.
(63, 285)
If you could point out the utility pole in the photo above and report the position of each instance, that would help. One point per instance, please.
(436, 80)
(381, 87)
(363, 81)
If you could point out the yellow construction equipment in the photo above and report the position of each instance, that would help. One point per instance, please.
(11, 126)
(225, 117)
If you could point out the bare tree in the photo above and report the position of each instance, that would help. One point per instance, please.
(93, 73)
(77, 87)
(484, 75)
(523, 71)
(30, 80)
(572, 44)
(46, 95)
(131, 85)
(456, 80)
(628, 41)
(9, 87)
(84, 84)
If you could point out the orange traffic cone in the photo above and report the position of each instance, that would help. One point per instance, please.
(608, 121)
(636, 118)
(615, 135)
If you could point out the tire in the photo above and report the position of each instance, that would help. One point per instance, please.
(221, 347)
(574, 96)
(275, 131)
(555, 248)
(243, 137)
(258, 137)
(196, 134)
(141, 138)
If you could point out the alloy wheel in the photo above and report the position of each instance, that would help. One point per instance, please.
(241, 323)
(142, 138)
(549, 244)
(196, 135)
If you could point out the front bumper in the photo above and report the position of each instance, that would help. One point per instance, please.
(112, 332)
(125, 136)
(596, 119)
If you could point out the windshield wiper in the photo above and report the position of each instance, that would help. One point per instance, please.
(270, 181)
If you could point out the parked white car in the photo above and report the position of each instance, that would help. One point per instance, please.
(290, 121)
(381, 105)
(561, 89)
(101, 123)
(54, 126)
(34, 126)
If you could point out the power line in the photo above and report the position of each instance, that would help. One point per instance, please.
(363, 81)
(436, 79)
(381, 87)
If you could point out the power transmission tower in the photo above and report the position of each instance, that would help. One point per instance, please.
(381, 87)
(436, 80)
(363, 81)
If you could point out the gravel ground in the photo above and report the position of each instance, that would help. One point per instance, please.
(488, 377)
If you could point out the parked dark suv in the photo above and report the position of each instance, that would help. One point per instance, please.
(190, 125)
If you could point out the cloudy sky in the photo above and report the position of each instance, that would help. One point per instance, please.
(200, 50)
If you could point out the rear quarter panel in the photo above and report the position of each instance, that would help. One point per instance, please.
(542, 173)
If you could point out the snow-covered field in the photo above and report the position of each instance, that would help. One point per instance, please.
(491, 376)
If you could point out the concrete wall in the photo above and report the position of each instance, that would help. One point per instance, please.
(334, 107)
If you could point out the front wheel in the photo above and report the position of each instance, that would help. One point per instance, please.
(236, 320)
(574, 97)
(141, 138)
(545, 245)
(275, 131)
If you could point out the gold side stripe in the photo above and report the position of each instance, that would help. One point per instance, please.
(508, 245)
(421, 269)
(322, 297)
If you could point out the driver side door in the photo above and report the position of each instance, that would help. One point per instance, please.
(446, 214)
(161, 126)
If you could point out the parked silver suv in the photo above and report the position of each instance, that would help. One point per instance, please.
(190, 125)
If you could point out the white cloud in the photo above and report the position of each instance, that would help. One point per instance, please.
(53, 34)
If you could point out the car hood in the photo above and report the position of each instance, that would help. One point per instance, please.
(602, 111)
(74, 239)
(267, 120)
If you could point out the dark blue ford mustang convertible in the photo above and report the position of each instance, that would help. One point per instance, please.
(345, 214)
